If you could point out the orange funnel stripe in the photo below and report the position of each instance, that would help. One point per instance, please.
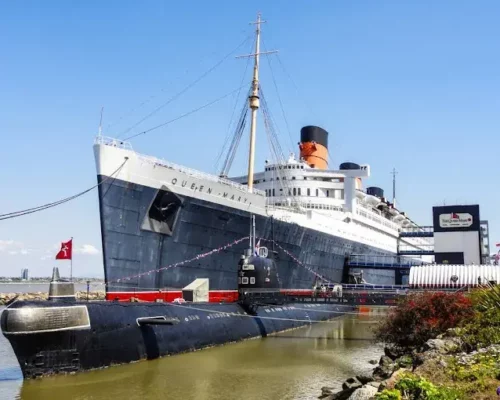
(314, 154)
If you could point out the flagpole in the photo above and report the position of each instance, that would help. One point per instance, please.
(71, 260)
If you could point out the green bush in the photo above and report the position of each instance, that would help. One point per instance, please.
(413, 387)
(484, 328)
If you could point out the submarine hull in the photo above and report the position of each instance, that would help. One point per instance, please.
(67, 337)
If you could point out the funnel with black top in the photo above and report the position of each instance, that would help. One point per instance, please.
(314, 146)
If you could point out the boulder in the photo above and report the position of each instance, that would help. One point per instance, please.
(382, 372)
(326, 391)
(351, 383)
(393, 352)
(364, 378)
(404, 361)
(443, 346)
(384, 360)
(365, 393)
(373, 362)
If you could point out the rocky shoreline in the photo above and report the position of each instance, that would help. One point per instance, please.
(6, 298)
(435, 355)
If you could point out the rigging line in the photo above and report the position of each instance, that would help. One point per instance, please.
(279, 99)
(232, 116)
(130, 112)
(178, 94)
(56, 203)
(296, 87)
(183, 115)
(236, 140)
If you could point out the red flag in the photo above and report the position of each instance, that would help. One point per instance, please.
(66, 251)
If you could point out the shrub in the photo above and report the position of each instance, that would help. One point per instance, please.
(416, 388)
(484, 328)
(421, 316)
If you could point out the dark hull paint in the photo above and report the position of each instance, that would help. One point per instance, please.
(201, 226)
(115, 338)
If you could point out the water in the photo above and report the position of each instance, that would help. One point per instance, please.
(293, 365)
(43, 287)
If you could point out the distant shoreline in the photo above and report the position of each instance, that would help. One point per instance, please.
(44, 282)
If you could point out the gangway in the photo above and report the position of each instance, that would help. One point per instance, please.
(421, 250)
(419, 231)
(382, 262)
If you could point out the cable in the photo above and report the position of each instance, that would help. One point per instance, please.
(183, 115)
(56, 203)
(261, 317)
(178, 94)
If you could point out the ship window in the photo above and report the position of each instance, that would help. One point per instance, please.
(298, 191)
(327, 193)
(308, 192)
(293, 177)
(289, 192)
(278, 178)
(317, 193)
(273, 192)
(294, 191)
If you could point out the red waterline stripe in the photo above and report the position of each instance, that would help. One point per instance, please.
(214, 296)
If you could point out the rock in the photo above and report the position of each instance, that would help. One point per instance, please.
(342, 395)
(443, 346)
(373, 362)
(325, 392)
(376, 385)
(364, 378)
(384, 360)
(404, 361)
(389, 383)
(365, 393)
(435, 344)
(393, 352)
(383, 372)
(351, 383)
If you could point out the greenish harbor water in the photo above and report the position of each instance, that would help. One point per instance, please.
(293, 365)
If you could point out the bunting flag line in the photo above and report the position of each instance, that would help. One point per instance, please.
(177, 264)
(218, 250)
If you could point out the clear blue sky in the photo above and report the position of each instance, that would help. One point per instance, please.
(410, 85)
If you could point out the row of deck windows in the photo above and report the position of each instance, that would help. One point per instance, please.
(285, 167)
(296, 192)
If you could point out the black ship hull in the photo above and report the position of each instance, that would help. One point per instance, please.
(61, 337)
(141, 245)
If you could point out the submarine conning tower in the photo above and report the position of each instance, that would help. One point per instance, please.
(314, 146)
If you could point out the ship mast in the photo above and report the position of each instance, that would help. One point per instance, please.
(253, 100)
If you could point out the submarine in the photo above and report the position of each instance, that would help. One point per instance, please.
(68, 335)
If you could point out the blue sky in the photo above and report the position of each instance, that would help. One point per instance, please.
(410, 85)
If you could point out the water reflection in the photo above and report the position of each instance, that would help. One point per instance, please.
(291, 365)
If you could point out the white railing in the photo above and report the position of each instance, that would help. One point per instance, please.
(108, 141)
(167, 164)
(198, 174)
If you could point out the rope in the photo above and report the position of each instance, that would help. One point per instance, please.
(183, 115)
(178, 94)
(20, 213)
(259, 317)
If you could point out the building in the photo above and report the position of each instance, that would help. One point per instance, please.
(24, 274)
(485, 241)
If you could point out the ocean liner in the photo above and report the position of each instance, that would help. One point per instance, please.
(159, 220)
(221, 260)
